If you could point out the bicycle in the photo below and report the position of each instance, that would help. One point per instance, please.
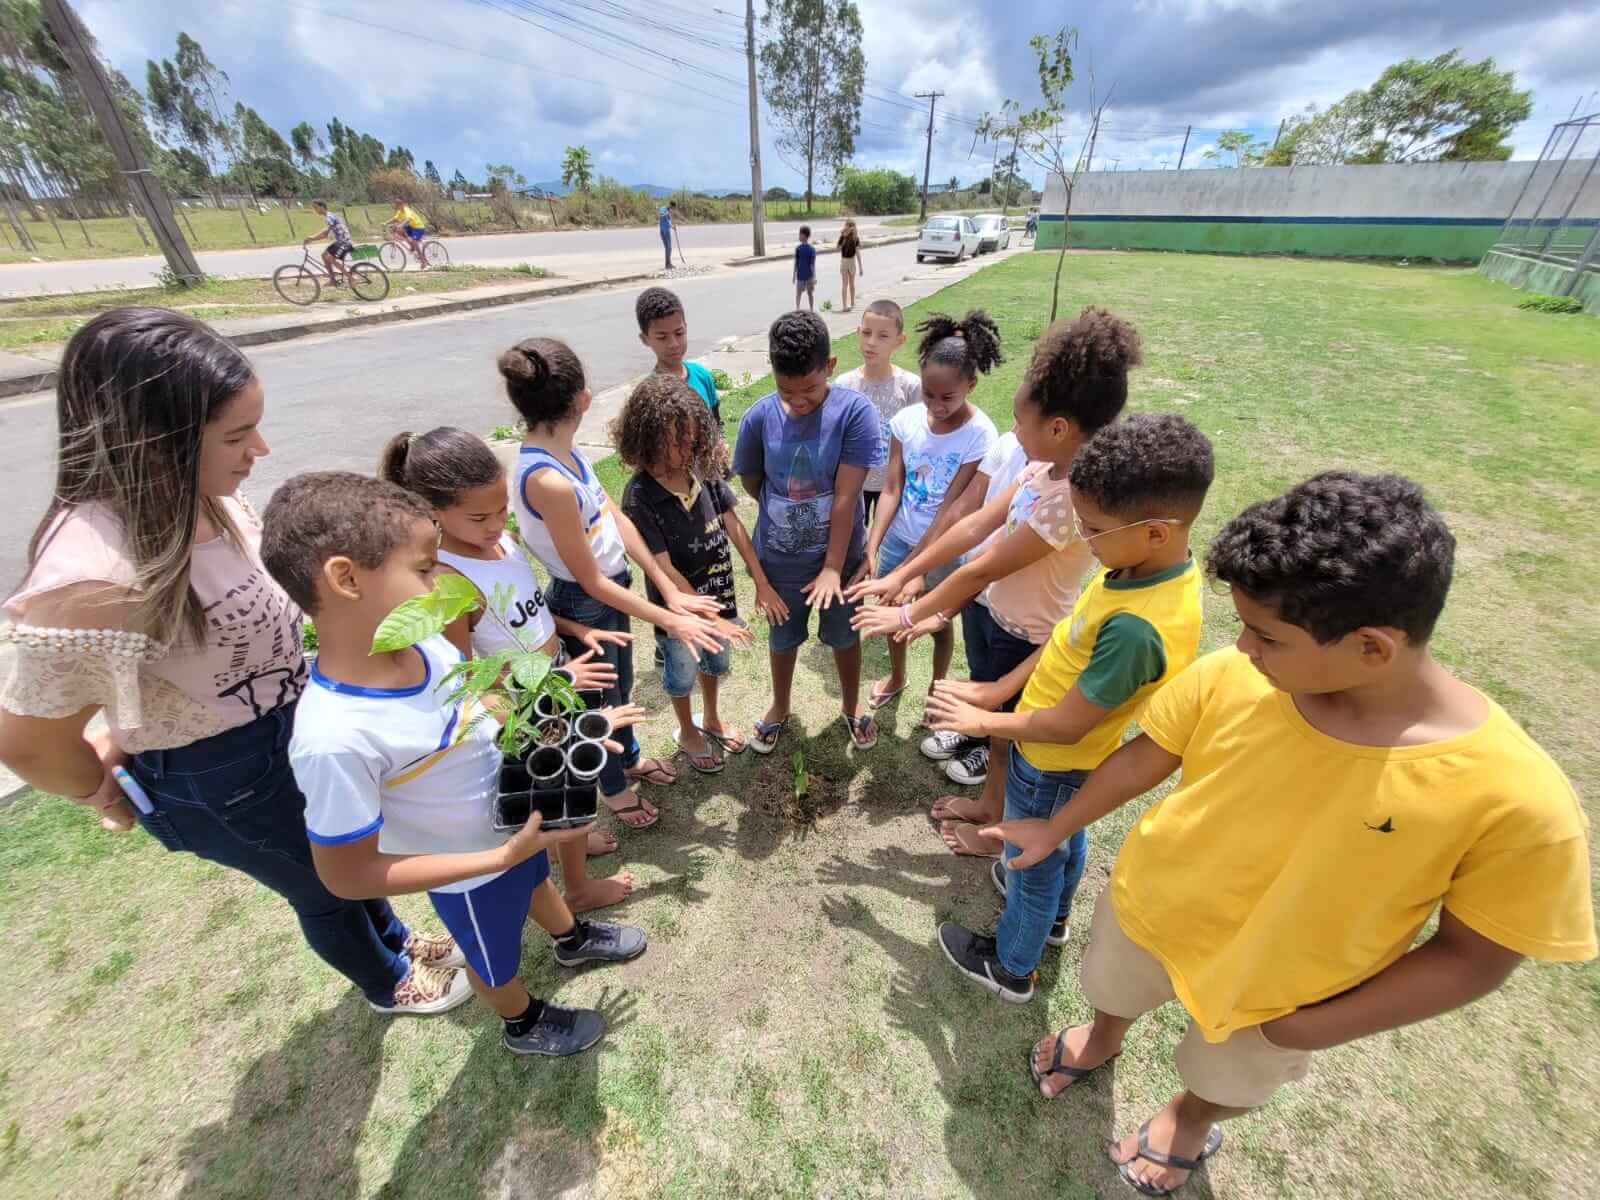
(396, 251)
(301, 283)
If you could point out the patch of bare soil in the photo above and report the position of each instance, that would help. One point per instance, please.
(774, 794)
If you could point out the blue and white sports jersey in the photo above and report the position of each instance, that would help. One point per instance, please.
(400, 763)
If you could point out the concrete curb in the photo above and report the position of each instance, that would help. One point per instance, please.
(21, 385)
(788, 254)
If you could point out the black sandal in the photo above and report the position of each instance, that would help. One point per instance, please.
(1176, 1161)
(1057, 1067)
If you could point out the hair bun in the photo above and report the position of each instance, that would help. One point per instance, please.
(524, 364)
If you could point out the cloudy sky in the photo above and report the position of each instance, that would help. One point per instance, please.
(658, 94)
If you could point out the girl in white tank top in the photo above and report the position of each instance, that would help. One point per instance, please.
(458, 475)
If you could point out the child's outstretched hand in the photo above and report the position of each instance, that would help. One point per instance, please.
(735, 633)
(825, 590)
(589, 675)
(987, 696)
(1031, 836)
(770, 604)
(876, 620)
(888, 585)
(691, 604)
(698, 633)
(912, 591)
(623, 716)
(945, 713)
(597, 639)
(923, 628)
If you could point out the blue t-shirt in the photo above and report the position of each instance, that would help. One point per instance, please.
(699, 378)
(798, 458)
(665, 214)
(805, 262)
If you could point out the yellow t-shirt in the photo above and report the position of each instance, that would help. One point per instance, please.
(1289, 866)
(409, 217)
(1123, 639)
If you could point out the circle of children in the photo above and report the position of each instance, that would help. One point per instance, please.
(1338, 786)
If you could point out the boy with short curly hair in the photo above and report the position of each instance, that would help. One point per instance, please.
(1339, 787)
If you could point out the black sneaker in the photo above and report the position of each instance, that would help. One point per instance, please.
(970, 768)
(603, 942)
(1059, 929)
(559, 1032)
(974, 956)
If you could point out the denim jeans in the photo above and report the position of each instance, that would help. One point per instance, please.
(681, 666)
(992, 652)
(232, 800)
(1041, 894)
(569, 600)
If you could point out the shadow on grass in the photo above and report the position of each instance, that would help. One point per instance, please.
(1001, 1136)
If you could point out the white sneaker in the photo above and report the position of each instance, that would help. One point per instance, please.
(972, 768)
(944, 745)
(426, 991)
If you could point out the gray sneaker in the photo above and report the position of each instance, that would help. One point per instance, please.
(560, 1032)
(603, 942)
(944, 745)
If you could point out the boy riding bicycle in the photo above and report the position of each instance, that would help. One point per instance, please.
(343, 245)
(408, 221)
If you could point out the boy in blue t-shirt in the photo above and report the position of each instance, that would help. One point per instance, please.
(803, 452)
(805, 270)
(399, 783)
(664, 330)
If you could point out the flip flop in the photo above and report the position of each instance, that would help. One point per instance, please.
(767, 735)
(1176, 1161)
(967, 841)
(1057, 1067)
(650, 770)
(731, 743)
(621, 814)
(706, 764)
(863, 730)
(950, 814)
(877, 697)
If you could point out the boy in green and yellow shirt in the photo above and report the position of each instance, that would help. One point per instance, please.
(1339, 787)
(1137, 486)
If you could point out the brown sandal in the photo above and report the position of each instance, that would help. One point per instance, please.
(651, 770)
(622, 814)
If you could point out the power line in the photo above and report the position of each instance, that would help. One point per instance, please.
(598, 31)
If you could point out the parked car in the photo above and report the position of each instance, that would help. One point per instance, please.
(994, 231)
(947, 237)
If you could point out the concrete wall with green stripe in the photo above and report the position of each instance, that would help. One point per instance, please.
(1345, 239)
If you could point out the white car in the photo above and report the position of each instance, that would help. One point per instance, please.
(994, 232)
(947, 237)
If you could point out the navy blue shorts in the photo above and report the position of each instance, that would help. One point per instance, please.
(487, 921)
(414, 234)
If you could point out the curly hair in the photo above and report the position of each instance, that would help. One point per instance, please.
(1080, 368)
(1341, 551)
(323, 514)
(656, 304)
(970, 345)
(440, 465)
(798, 344)
(663, 412)
(1151, 465)
(543, 379)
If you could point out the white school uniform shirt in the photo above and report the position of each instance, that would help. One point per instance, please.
(400, 763)
(526, 611)
(931, 461)
(594, 508)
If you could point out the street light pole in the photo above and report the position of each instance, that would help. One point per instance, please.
(927, 163)
(73, 41)
(758, 233)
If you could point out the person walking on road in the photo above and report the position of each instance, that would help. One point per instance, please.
(850, 265)
(146, 600)
(668, 213)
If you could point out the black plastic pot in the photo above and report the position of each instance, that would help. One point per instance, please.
(591, 727)
(544, 784)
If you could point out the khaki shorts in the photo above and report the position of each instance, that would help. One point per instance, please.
(847, 266)
(1126, 980)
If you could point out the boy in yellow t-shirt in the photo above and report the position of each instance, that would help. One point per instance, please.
(1343, 786)
(1137, 486)
(409, 222)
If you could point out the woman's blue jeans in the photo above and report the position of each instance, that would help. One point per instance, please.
(232, 800)
(569, 600)
(1040, 895)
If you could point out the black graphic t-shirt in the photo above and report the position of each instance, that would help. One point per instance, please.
(692, 536)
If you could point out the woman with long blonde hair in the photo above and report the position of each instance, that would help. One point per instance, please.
(849, 264)
(146, 601)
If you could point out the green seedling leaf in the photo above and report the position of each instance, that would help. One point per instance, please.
(425, 616)
(529, 671)
(565, 694)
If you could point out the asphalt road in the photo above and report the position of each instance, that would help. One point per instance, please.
(333, 400)
(547, 249)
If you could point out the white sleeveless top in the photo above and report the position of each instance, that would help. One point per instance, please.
(525, 609)
(594, 507)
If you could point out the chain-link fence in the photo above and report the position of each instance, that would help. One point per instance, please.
(1556, 216)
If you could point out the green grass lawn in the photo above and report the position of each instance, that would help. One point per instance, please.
(793, 1031)
(30, 322)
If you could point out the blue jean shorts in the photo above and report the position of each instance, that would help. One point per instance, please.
(833, 623)
(681, 665)
(894, 551)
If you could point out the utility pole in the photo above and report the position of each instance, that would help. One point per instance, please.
(758, 215)
(927, 163)
(1185, 149)
(1277, 136)
(73, 41)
